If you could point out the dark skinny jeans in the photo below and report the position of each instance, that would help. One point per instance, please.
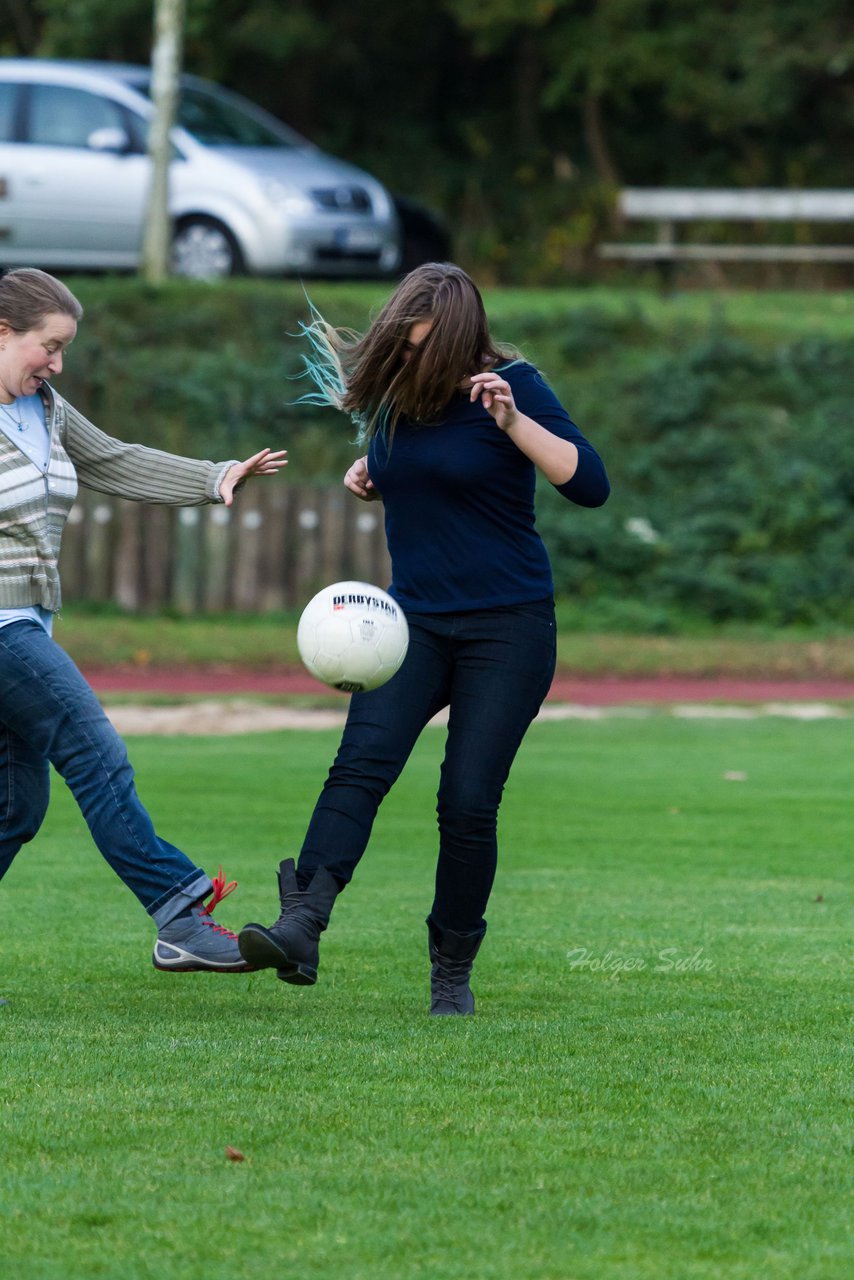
(492, 668)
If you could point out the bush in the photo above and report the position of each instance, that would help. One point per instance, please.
(204, 369)
(731, 460)
(733, 475)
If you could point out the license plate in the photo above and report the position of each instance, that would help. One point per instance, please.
(356, 238)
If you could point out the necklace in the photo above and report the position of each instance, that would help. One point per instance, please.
(17, 422)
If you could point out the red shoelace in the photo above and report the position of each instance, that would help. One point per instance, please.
(221, 889)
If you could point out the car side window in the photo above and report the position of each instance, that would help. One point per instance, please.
(8, 94)
(63, 117)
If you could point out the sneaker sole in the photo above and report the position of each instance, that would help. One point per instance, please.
(186, 962)
(260, 949)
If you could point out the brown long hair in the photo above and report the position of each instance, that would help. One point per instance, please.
(28, 296)
(368, 375)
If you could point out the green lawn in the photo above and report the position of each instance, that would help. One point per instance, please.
(593, 641)
(772, 314)
(654, 1087)
(767, 315)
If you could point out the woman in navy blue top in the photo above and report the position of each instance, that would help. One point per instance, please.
(456, 429)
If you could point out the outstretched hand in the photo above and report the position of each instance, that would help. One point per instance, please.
(496, 397)
(265, 463)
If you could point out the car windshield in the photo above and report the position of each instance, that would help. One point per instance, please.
(220, 120)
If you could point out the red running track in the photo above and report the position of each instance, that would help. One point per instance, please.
(589, 691)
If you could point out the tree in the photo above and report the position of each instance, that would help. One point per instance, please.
(24, 27)
(165, 71)
(518, 119)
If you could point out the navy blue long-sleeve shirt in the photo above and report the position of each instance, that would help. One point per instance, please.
(459, 502)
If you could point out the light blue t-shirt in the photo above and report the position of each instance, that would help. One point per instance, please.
(23, 422)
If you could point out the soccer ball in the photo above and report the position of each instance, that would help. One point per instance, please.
(352, 636)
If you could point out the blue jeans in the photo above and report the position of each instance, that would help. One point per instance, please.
(49, 714)
(492, 668)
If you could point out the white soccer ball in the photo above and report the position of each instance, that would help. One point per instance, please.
(352, 636)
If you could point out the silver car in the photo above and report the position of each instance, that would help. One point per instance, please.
(247, 194)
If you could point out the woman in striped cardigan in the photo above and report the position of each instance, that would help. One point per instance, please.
(48, 713)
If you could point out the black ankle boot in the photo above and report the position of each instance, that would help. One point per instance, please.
(291, 945)
(452, 956)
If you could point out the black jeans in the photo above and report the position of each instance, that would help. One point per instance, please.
(492, 668)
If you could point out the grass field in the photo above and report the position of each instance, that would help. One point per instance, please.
(654, 1087)
(771, 314)
(590, 642)
(766, 314)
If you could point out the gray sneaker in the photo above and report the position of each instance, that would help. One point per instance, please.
(196, 942)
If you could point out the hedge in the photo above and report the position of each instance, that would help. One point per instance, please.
(731, 456)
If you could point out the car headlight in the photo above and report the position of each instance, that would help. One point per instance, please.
(290, 200)
(381, 202)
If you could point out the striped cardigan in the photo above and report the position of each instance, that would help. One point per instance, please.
(35, 505)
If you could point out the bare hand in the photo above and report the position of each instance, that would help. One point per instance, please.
(359, 482)
(265, 463)
(496, 397)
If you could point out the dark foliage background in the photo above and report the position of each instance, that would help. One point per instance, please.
(517, 120)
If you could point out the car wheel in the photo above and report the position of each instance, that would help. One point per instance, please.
(204, 249)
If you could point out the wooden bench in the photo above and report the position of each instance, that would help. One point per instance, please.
(670, 208)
